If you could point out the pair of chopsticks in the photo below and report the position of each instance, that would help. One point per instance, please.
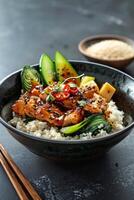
(20, 183)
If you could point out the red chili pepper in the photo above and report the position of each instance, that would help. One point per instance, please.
(66, 88)
(73, 90)
(60, 96)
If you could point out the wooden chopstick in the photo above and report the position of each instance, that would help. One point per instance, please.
(26, 184)
(13, 179)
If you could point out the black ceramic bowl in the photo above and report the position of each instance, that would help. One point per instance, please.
(10, 89)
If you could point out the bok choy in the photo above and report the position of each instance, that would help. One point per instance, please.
(94, 123)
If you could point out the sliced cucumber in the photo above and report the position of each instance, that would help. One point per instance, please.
(47, 69)
(64, 69)
(29, 75)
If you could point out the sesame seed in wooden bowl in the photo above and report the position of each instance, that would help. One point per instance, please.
(116, 51)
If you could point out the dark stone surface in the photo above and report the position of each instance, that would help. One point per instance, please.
(29, 27)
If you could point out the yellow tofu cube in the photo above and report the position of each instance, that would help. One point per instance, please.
(107, 91)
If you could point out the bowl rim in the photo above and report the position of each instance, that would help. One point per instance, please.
(105, 37)
(73, 141)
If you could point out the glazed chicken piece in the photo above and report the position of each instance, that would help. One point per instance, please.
(71, 102)
(50, 113)
(31, 107)
(96, 105)
(73, 117)
(88, 90)
(35, 108)
(91, 108)
(19, 106)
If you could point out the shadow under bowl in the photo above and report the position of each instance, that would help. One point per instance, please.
(73, 150)
(87, 42)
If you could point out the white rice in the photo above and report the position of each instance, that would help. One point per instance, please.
(41, 129)
(116, 116)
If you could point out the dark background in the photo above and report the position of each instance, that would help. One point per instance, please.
(27, 29)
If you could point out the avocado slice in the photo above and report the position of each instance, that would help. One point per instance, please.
(64, 69)
(28, 76)
(47, 69)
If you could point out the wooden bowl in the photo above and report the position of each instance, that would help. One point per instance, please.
(120, 63)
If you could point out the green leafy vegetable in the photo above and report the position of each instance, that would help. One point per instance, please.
(74, 128)
(97, 124)
(94, 123)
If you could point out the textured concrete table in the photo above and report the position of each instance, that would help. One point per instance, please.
(30, 27)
